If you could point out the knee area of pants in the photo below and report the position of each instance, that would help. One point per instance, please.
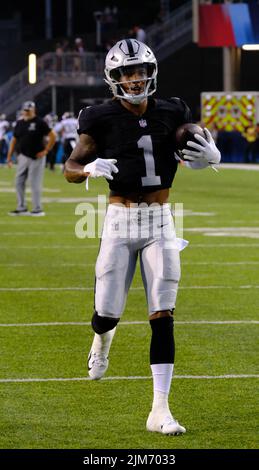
(103, 324)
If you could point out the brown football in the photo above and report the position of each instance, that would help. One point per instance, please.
(186, 132)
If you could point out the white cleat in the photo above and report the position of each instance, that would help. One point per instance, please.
(164, 424)
(97, 365)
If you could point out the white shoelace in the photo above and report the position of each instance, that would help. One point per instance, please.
(98, 358)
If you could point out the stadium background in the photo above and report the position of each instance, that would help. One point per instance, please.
(186, 69)
(45, 269)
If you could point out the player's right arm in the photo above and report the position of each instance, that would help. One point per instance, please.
(83, 152)
(77, 167)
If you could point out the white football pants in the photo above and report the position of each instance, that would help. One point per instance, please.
(146, 231)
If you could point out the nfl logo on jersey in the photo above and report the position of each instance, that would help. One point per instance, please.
(142, 122)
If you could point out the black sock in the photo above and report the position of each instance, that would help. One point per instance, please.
(162, 347)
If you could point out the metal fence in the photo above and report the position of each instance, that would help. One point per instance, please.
(171, 28)
(67, 69)
(73, 69)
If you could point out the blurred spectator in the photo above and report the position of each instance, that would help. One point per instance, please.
(67, 130)
(79, 50)
(61, 47)
(59, 53)
(107, 15)
(139, 33)
(51, 119)
(79, 46)
(4, 126)
(251, 135)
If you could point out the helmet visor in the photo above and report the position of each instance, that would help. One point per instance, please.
(131, 73)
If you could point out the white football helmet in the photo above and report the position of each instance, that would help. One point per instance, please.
(122, 60)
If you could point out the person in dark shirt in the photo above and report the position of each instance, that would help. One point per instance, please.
(32, 140)
(133, 136)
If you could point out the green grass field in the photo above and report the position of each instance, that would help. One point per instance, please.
(46, 299)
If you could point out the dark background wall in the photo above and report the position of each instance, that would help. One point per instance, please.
(32, 14)
(189, 72)
(186, 73)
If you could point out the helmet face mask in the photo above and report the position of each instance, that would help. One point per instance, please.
(131, 70)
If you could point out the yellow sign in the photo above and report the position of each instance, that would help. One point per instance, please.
(229, 111)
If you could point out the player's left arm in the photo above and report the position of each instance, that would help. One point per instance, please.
(203, 154)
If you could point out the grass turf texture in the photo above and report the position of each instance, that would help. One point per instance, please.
(44, 253)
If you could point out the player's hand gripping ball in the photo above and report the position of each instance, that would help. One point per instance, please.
(184, 134)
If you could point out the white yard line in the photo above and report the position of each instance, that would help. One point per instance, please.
(38, 222)
(184, 263)
(55, 247)
(45, 289)
(227, 229)
(86, 246)
(239, 166)
(57, 265)
(134, 377)
(250, 286)
(220, 263)
(223, 245)
(25, 233)
(58, 289)
(134, 322)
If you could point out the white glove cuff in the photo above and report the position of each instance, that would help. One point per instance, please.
(87, 168)
(216, 158)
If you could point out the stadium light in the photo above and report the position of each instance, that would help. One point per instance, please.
(250, 47)
(98, 19)
(32, 69)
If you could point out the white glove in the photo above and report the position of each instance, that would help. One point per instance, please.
(100, 167)
(206, 150)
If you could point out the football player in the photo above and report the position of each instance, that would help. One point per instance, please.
(67, 129)
(133, 136)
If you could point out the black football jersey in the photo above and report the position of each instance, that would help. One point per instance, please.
(30, 136)
(143, 146)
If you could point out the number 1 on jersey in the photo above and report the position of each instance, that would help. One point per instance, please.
(151, 179)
